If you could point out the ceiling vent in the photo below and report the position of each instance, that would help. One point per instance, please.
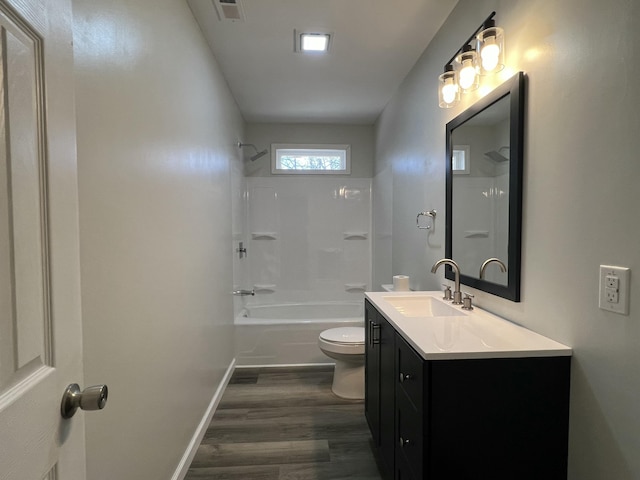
(229, 10)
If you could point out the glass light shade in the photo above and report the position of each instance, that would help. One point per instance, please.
(491, 50)
(448, 89)
(467, 70)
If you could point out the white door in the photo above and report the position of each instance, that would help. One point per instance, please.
(40, 326)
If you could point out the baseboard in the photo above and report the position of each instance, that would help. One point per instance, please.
(286, 365)
(185, 461)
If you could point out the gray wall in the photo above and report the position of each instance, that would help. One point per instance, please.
(157, 155)
(360, 137)
(580, 199)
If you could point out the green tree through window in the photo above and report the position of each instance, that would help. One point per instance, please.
(309, 159)
(310, 162)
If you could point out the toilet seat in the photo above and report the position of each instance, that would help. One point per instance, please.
(343, 340)
(344, 335)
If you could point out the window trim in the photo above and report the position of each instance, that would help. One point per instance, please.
(309, 146)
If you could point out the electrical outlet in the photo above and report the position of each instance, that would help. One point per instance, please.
(614, 289)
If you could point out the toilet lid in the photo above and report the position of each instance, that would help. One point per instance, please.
(350, 335)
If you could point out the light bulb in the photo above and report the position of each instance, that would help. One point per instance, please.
(467, 69)
(449, 91)
(490, 55)
(467, 75)
(491, 48)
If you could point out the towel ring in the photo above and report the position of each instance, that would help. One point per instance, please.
(431, 214)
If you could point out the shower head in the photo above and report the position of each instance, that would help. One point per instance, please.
(257, 154)
(496, 156)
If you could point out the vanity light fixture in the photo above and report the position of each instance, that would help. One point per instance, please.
(481, 54)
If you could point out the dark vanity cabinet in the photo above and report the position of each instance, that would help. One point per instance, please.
(380, 383)
(464, 419)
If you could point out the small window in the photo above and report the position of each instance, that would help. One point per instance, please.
(310, 159)
(460, 159)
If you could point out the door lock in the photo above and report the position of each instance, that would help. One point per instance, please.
(91, 398)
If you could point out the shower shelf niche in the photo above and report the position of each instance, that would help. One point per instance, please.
(264, 235)
(264, 288)
(355, 235)
(476, 233)
(355, 287)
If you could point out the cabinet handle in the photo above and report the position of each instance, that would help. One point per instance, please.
(376, 328)
(404, 377)
(404, 441)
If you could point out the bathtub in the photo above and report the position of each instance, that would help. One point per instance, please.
(287, 334)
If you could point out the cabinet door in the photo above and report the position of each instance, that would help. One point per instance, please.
(410, 368)
(387, 393)
(403, 471)
(411, 411)
(410, 437)
(499, 418)
(372, 371)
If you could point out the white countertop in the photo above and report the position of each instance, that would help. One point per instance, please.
(469, 334)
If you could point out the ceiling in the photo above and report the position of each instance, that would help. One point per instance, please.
(374, 45)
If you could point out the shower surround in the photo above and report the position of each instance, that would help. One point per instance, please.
(308, 242)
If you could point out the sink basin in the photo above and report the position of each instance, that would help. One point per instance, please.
(421, 306)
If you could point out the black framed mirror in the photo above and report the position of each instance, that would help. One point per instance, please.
(484, 190)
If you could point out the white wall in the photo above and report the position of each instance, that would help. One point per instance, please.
(157, 133)
(580, 198)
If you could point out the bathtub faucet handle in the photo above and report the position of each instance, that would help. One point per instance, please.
(241, 250)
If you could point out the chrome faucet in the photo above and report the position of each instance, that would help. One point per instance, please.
(457, 295)
(503, 267)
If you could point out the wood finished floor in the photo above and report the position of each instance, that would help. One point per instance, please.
(285, 424)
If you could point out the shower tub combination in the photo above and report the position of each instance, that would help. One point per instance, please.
(287, 334)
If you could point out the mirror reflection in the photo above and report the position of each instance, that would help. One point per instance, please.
(480, 167)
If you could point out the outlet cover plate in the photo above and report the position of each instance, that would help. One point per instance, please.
(619, 275)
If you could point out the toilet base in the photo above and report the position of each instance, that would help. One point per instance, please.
(348, 380)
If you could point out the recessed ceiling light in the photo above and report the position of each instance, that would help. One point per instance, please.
(312, 42)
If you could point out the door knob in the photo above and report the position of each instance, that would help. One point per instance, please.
(91, 398)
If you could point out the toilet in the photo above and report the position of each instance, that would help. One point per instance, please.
(346, 346)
